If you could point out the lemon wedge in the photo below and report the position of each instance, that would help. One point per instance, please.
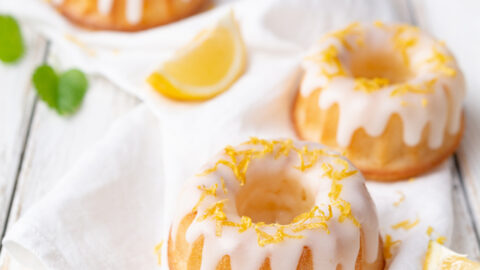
(441, 258)
(206, 66)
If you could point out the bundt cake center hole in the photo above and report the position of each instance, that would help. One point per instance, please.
(380, 64)
(273, 199)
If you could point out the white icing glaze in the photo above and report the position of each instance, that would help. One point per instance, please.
(372, 111)
(134, 10)
(104, 6)
(339, 247)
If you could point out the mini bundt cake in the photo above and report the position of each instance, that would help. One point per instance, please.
(387, 96)
(276, 204)
(126, 15)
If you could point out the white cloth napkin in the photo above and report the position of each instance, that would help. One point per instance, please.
(112, 208)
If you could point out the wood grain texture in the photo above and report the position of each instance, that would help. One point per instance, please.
(463, 230)
(458, 23)
(56, 142)
(16, 103)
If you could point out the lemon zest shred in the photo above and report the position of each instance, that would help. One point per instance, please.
(440, 61)
(341, 35)
(388, 245)
(379, 24)
(400, 200)
(343, 206)
(370, 85)
(424, 102)
(329, 56)
(158, 252)
(406, 224)
(205, 192)
(430, 230)
(422, 88)
(264, 238)
(441, 240)
(403, 44)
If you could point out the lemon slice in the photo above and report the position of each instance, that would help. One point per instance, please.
(206, 66)
(441, 258)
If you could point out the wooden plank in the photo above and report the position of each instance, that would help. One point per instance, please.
(463, 228)
(56, 142)
(458, 24)
(16, 103)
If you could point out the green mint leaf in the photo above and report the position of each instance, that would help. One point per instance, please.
(45, 81)
(11, 41)
(72, 86)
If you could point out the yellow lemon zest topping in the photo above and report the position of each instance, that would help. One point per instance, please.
(240, 159)
(342, 34)
(370, 85)
(329, 56)
(158, 252)
(216, 212)
(403, 43)
(441, 240)
(422, 88)
(429, 230)
(440, 61)
(379, 24)
(400, 200)
(264, 238)
(424, 102)
(314, 213)
(206, 191)
(387, 246)
(406, 224)
(335, 175)
(316, 218)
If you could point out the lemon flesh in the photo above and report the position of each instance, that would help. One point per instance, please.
(441, 258)
(205, 67)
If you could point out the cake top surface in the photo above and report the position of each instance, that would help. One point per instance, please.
(373, 71)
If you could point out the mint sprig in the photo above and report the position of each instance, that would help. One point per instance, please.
(11, 42)
(63, 93)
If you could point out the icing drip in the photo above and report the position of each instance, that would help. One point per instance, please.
(134, 9)
(433, 96)
(342, 209)
(104, 6)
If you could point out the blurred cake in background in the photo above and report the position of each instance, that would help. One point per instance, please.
(126, 15)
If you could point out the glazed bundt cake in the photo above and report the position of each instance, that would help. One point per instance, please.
(276, 204)
(387, 96)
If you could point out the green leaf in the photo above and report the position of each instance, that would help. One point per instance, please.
(72, 86)
(11, 41)
(45, 81)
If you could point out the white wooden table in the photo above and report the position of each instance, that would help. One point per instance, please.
(37, 146)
